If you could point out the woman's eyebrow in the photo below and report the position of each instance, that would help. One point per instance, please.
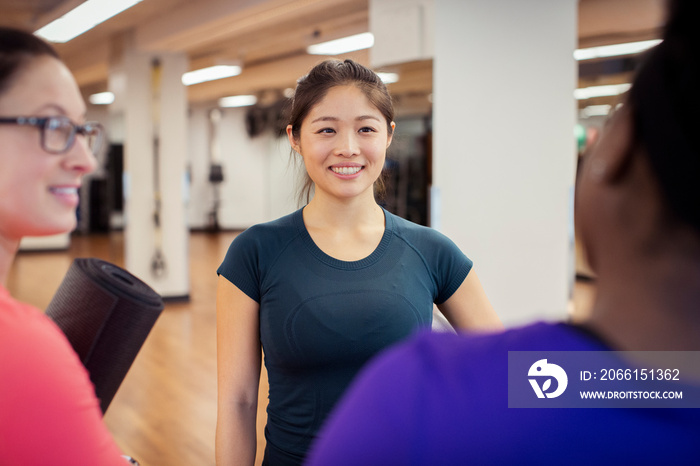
(325, 118)
(332, 118)
(54, 107)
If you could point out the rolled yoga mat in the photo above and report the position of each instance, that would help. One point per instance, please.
(106, 313)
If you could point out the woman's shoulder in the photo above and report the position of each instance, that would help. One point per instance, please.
(418, 236)
(459, 351)
(16, 317)
(263, 242)
(26, 331)
(403, 226)
(535, 336)
(275, 230)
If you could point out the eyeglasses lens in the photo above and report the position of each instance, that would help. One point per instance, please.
(58, 134)
(93, 135)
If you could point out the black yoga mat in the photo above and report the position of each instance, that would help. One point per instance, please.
(106, 313)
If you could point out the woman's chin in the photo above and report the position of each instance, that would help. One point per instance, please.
(54, 228)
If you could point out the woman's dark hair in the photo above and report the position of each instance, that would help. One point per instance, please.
(17, 48)
(313, 87)
(665, 100)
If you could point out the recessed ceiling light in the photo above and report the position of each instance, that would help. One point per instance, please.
(82, 18)
(101, 98)
(601, 91)
(388, 78)
(238, 101)
(614, 50)
(344, 45)
(210, 74)
(595, 110)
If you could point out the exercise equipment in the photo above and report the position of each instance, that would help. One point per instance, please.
(158, 264)
(106, 313)
(216, 169)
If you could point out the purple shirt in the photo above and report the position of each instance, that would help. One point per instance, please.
(442, 399)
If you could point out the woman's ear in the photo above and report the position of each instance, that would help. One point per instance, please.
(292, 140)
(391, 136)
(613, 152)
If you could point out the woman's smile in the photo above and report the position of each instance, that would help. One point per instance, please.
(346, 171)
(66, 194)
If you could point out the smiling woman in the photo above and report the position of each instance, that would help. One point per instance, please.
(326, 288)
(314, 87)
(48, 410)
(38, 194)
(343, 145)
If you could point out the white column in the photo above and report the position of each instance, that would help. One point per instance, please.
(504, 150)
(141, 236)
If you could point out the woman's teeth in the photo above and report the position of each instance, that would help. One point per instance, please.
(64, 190)
(346, 170)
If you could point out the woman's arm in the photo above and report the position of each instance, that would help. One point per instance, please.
(238, 370)
(469, 308)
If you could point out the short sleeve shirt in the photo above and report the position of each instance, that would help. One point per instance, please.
(48, 410)
(322, 319)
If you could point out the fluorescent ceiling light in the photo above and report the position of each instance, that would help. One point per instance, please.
(101, 98)
(344, 45)
(615, 50)
(601, 91)
(83, 18)
(388, 78)
(238, 101)
(595, 110)
(210, 74)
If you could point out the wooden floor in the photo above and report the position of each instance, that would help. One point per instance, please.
(165, 411)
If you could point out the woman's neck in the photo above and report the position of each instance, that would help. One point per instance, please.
(345, 231)
(8, 250)
(650, 305)
(351, 214)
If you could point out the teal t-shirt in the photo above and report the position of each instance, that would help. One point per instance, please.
(322, 319)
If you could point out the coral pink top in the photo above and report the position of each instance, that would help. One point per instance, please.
(48, 410)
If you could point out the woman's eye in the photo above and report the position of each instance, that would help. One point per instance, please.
(367, 129)
(326, 130)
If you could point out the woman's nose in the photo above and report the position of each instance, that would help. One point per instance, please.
(347, 145)
(79, 157)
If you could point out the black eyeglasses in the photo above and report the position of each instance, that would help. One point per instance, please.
(57, 133)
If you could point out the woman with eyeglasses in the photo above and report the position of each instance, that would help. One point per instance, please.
(48, 410)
